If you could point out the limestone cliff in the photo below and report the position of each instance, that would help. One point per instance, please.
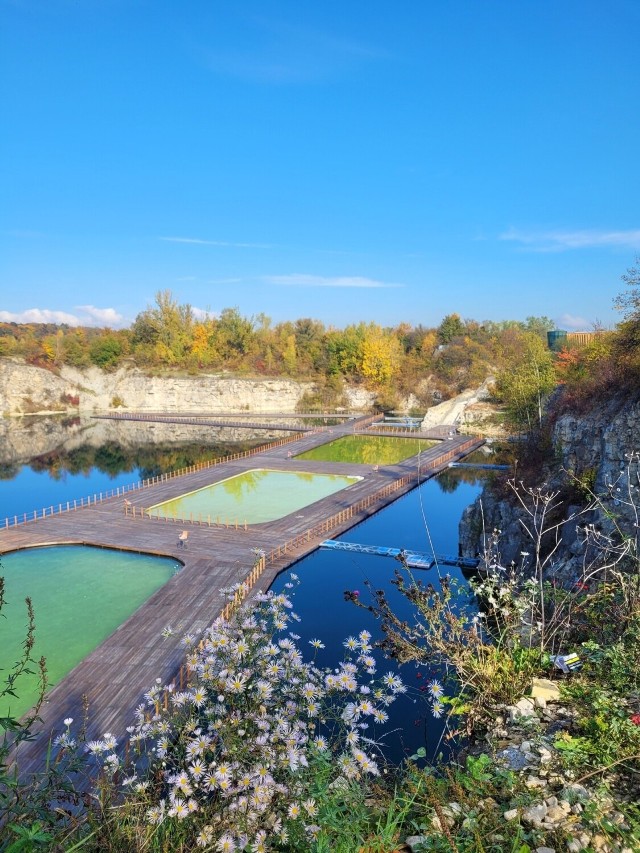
(25, 389)
(597, 451)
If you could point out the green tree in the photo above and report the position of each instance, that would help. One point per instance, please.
(527, 381)
(234, 334)
(450, 328)
(629, 302)
(539, 326)
(344, 350)
(105, 351)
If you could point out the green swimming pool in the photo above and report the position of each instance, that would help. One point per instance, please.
(253, 497)
(368, 449)
(80, 595)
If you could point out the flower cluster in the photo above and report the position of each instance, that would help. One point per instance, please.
(234, 750)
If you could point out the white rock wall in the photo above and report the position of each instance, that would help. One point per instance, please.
(28, 390)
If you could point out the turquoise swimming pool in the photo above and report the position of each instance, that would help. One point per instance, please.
(80, 595)
(253, 497)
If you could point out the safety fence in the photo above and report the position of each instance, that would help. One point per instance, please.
(291, 546)
(327, 524)
(124, 491)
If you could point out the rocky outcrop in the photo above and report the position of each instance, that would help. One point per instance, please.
(452, 411)
(596, 452)
(25, 389)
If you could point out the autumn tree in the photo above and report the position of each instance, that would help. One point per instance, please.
(163, 333)
(202, 348)
(381, 355)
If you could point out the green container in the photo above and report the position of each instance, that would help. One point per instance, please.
(556, 340)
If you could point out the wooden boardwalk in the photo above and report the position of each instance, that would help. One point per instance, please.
(244, 416)
(115, 676)
(204, 421)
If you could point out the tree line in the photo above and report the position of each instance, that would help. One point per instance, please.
(389, 360)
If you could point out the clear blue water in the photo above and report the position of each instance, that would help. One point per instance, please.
(426, 516)
(34, 490)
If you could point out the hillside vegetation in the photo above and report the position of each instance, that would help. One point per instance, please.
(391, 361)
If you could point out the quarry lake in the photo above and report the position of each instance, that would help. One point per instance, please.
(426, 519)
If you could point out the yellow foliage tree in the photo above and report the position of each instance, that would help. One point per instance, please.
(381, 355)
(201, 349)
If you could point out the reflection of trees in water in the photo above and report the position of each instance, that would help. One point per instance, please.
(368, 449)
(113, 458)
(450, 478)
(243, 483)
(51, 463)
(8, 471)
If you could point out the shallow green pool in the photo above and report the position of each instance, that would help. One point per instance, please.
(367, 449)
(80, 596)
(254, 497)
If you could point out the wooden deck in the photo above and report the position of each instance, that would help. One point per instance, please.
(115, 676)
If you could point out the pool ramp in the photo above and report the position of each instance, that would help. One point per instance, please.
(413, 559)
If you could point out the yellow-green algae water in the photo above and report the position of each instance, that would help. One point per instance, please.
(256, 496)
(368, 449)
(80, 595)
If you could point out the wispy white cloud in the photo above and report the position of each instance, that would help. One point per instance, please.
(302, 280)
(23, 233)
(39, 315)
(90, 316)
(561, 241)
(203, 313)
(277, 52)
(224, 243)
(100, 316)
(573, 323)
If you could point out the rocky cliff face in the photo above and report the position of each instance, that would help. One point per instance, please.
(25, 389)
(599, 450)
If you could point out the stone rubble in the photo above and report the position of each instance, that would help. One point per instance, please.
(521, 740)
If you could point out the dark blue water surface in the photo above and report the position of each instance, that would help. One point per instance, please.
(426, 520)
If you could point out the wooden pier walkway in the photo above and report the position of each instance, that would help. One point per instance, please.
(244, 416)
(204, 421)
(116, 674)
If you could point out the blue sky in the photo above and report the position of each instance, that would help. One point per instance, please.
(351, 160)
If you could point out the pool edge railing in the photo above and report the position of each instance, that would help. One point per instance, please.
(237, 524)
(123, 491)
(317, 532)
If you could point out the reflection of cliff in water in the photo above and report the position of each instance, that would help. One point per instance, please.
(63, 446)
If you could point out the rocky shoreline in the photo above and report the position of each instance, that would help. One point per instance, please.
(594, 454)
(560, 812)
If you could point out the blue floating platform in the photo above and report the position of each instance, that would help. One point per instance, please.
(413, 559)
